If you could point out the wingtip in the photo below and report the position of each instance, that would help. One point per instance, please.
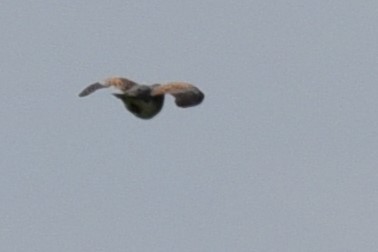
(82, 94)
(189, 99)
(91, 88)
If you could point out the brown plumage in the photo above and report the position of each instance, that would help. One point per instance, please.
(147, 101)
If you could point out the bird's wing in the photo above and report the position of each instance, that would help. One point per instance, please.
(186, 95)
(122, 84)
(92, 88)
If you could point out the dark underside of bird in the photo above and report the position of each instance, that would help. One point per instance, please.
(144, 108)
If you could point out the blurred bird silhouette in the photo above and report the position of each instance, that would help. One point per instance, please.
(146, 101)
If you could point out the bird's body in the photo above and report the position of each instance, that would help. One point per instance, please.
(144, 108)
(146, 101)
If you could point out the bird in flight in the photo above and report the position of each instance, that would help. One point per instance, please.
(146, 101)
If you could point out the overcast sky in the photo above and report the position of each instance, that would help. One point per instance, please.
(282, 155)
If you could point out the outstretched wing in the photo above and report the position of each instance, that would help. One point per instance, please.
(186, 95)
(122, 84)
(91, 88)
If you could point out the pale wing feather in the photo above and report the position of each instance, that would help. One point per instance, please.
(186, 94)
(122, 84)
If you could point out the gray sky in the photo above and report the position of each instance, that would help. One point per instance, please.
(281, 156)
